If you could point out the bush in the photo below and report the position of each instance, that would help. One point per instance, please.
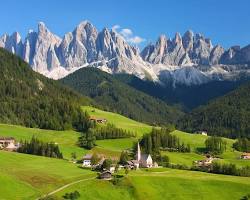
(72, 196)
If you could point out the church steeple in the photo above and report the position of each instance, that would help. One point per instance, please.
(138, 155)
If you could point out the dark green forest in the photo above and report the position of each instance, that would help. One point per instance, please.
(161, 139)
(30, 99)
(227, 116)
(40, 148)
(115, 96)
(185, 97)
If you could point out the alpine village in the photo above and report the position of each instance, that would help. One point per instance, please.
(102, 113)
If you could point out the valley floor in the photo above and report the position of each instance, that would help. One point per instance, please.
(26, 177)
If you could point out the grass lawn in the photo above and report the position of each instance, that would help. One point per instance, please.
(102, 189)
(165, 184)
(183, 158)
(116, 144)
(25, 176)
(66, 139)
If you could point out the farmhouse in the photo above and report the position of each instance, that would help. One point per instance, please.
(99, 120)
(202, 132)
(106, 175)
(8, 143)
(245, 156)
(206, 162)
(87, 160)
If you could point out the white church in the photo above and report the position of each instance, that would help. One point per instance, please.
(142, 160)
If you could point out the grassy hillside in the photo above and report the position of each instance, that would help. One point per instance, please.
(227, 116)
(119, 121)
(167, 184)
(113, 95)
(28, 177)
(32, 176)
(66, 139)
(196, 141)
(30, 99)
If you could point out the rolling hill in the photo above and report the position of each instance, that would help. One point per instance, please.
(227, 116)
(113, 95)
(30, 99)
(33, 176)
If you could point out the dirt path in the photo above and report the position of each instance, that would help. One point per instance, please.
(65, 186)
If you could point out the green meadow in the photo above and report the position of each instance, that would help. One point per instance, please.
(67, 140)
(164, 184)
(119, 120)
(25, 176)
(33, 176)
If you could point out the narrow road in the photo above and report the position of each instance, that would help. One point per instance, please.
(65, 186)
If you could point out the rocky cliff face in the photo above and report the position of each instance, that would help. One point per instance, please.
(179, 51)
(188, 59)
(48, 54)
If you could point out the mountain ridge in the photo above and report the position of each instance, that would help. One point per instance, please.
(190, 59)
(113, 95)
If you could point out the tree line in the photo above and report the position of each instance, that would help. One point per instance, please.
(40, 148)
(161, 139)
(93, 133)
(242, 144)
(215, 145)
(112, 132)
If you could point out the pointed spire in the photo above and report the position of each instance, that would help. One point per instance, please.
(42, 27)
(138, 155)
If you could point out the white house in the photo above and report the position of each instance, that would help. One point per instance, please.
(87, 160)
(202, 132)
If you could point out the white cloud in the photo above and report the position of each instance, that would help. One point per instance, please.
(126, 32)
(136, 40)
(128, 35)
(115, 27)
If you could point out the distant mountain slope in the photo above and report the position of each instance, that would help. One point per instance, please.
(188, 59)
(116, 96)
(30, 99)
(188, 97)
(227, 116)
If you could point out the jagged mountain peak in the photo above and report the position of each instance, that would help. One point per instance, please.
(108, 50)
(42, 27)
(177, 39)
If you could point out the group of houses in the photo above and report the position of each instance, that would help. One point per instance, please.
(207, 162)
(8, 144)
(98, 120)
(141, 161)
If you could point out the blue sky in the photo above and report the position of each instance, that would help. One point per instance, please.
(226, 22)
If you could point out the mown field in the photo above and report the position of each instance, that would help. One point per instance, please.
(164, 184)
(67, 140)
(119, 120)
(27, 177)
